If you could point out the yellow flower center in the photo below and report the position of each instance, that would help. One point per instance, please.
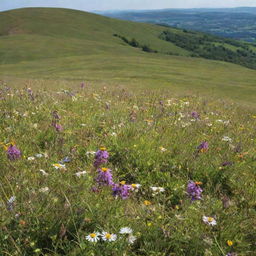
(230, 243)
(93, 235)
(122, 182)
(57, 165)
(103, 149)
(146, 202)
(104, 169)
(108, 236)
(134, 185)
(210, 219)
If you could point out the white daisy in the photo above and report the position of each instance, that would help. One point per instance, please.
(226, 138)
(108, 237)
(93, 237)
(131, 239)
(31, 158)
(79, 174)
(125, 230)
(59, 166)
(39, 155)
(209, 220)
(135, 187)
(90, 153)
(157, 190)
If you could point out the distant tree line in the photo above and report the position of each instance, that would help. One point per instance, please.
(134, 43)
(211, 47)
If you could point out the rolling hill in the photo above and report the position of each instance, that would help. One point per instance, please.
(51, 43)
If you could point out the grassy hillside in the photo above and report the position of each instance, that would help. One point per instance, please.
(68, 44)
(34, 33)
(174, 175)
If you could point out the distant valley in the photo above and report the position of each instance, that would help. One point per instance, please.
(236, 23)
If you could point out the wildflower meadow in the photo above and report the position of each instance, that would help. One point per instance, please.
(107, 171)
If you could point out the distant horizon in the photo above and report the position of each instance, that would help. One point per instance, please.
(118, 10)
(125, 5)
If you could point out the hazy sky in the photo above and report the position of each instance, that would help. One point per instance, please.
(89, 5)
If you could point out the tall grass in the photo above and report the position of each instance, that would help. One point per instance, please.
(152, 140)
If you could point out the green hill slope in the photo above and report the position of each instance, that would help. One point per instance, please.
(28, 34)
(53, 43)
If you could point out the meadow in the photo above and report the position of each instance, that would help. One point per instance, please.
(161, 175)
(109, 150)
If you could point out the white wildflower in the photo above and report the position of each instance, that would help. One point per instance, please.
(126, 230)
(209, 220)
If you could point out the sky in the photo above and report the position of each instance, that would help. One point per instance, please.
(102, 5)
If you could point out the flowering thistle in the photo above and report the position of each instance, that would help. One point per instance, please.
(194, 190)
(121, 190)
(101, 157)
(104, 177)
(203, 147)
(13, 152)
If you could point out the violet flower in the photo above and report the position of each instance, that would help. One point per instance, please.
(104, 177)
(101, 157)
(13, 152)
(194, 190)
(57, 127)
(227, 163)
(195, 115)
(121, 190)
(203, 147)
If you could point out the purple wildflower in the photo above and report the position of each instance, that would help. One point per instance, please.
(82, 85)
(121, 190)
(13, 152)
(65, 160)
(227, 163)
(57, 127)
(194, 190)
(104, 177)
(195, 115)
(203, 147)
(101, 157)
